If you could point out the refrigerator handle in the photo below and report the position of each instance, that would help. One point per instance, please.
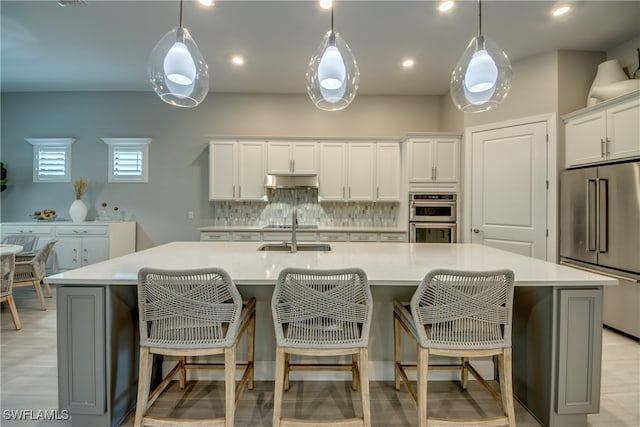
(589, 235)
(602, 197)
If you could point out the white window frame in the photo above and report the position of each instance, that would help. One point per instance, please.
(141, 145)
(44, 145)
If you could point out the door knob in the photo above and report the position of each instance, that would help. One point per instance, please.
(475, 230)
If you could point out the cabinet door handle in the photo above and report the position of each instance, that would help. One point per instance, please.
(349, 192)
(607, 146)
(239, 191)
(433, 172)
(377, 192)
(343, 192)
(234, 191)
(602, 147)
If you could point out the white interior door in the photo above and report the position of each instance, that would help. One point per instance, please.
(509, 188)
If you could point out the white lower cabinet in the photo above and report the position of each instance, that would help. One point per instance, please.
(84, 244)
(334, 237)
(304, 236)
(393, 237)
(79, 244)
(215, 235)
(247, 236)
(74, 252)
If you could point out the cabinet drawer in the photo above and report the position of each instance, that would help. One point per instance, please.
(277, 236)
(246, 236)
(393, 237)
(82, 230)
(334, 237)
(363, 237)
(215, 235)
(27, 229)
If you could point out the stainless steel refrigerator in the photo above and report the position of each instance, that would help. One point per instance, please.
(600, 232)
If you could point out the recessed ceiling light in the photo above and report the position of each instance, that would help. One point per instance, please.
(206, 2)
(326, 4)
(408, 63)
(237, 59)
(445, 5)
(560, 10)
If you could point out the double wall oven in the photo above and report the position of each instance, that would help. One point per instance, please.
(432, 218)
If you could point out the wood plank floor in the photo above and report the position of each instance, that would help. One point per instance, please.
(28, 381)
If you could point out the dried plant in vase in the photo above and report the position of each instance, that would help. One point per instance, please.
(80, 186)
(78, 210)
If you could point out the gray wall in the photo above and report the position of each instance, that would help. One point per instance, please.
(178, 171)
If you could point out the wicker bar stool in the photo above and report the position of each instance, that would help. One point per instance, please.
(7, 269)
(186, 314)
(458, 314)
(322, 313)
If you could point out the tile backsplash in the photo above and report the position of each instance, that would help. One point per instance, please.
(277, 211)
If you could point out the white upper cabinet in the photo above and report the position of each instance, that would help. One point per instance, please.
(236, 170)
(388, 172)
(251, 170)
(332, 172)
(222, 170)
(433, 160)
(292, 158)
(361, 173)
(607, 131)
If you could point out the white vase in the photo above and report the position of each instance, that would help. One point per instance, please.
(78, 211)
(608, 72)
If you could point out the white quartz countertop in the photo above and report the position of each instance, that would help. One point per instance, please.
(322, 228)
(385, 263)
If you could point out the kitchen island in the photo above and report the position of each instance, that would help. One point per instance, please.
(556, 332)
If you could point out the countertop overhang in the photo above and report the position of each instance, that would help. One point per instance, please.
(387, 264)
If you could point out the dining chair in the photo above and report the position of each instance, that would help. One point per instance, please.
(27, 241)
(186, 314)
(459, 314)
(7, 269)
(322, 313)
(32, 271)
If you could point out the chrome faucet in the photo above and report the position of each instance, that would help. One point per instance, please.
(294, 226)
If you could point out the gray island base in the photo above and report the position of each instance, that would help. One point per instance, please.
(556, 335)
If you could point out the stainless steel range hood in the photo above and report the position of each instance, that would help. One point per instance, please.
(291, 181)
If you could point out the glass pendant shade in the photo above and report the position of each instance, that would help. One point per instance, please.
(482, 77)
(177, 70)
(332, 74)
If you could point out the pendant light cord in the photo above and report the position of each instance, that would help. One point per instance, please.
(180, 13)
(479, 17)
(332, 36)
(332, 7)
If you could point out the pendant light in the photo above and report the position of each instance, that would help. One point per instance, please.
(177, 70)
(482, 77)
(332, 75)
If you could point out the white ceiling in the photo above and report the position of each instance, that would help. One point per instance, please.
(104, 45)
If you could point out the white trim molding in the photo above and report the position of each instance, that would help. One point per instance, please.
(128, 159)
(51, 159)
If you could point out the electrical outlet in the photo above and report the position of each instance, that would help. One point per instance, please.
(190, 215)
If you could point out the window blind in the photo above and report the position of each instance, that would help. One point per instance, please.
(52, 162)
(127, 162)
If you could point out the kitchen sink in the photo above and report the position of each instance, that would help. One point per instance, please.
(302, 247)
